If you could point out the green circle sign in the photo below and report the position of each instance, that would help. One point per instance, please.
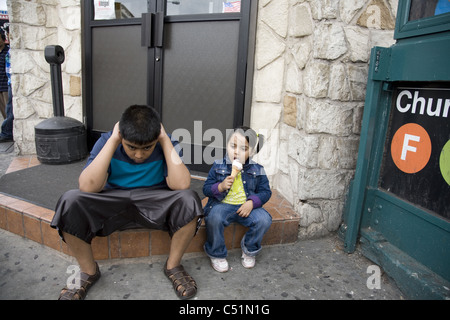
(444, 162)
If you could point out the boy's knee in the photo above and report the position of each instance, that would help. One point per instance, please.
(69, 197)
(188, 195)
(187, 199)
(188, 208)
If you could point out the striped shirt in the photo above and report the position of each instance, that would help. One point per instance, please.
(124, 173)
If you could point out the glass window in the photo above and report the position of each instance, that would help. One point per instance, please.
(423, 9)
(124, 9)
(179, 7)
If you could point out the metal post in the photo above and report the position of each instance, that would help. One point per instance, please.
(54, 55)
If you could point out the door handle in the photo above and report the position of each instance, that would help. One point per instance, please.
(152, 29)
(146, 30)
(159, 29)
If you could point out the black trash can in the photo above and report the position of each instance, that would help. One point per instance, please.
(60, 139)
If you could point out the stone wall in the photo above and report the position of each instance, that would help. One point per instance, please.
(34, 25)
(308, 96)
(311, 65)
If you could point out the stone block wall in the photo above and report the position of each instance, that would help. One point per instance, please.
(34, 25)
(311, 69)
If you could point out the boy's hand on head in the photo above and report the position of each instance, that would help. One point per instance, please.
(116, 134)
(178, 175)
(162, 134)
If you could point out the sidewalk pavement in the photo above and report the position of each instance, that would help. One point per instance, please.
(5, 159)
(306, 270)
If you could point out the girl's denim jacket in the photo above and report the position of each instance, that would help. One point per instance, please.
(256, 184)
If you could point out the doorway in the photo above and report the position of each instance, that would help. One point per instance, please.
(190, 59)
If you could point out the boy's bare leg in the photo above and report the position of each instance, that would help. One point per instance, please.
(180, 242)
(181, 239)
(82, 251)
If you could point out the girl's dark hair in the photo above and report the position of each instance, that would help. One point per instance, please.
(140, 124)
(255, 141)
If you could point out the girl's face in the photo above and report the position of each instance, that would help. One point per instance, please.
(238, 148)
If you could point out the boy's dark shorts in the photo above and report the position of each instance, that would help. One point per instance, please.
(87, 215)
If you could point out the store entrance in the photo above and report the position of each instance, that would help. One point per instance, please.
(188, 59)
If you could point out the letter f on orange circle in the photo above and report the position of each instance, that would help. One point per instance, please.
(411, 148)
(406, 147)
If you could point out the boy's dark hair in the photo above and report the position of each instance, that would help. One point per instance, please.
(140, 124)
(255, 141)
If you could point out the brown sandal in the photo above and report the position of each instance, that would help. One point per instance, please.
(184, 285)
(86, 281)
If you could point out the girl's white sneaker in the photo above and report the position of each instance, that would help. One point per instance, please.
(248, 261)
(220, 265)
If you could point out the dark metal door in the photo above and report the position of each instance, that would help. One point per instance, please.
(188, 59)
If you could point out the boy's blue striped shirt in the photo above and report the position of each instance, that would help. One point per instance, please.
(127, 175)
(124, 173)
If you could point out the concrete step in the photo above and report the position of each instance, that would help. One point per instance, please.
(33, 222)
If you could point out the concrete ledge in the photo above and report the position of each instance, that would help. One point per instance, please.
(33, 222)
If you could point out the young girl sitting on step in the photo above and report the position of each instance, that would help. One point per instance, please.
(237, 196)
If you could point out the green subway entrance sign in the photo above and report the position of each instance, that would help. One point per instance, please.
(416, 161)
(398, 204)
